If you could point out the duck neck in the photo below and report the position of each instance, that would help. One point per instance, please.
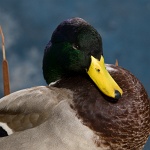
(51, 74)
(54, 71)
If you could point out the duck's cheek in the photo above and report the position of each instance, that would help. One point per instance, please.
(100, 76)
(77, 61)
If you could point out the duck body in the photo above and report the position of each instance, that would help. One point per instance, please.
(91, 106)
(68, 120)
(122, 124)
(59, 130)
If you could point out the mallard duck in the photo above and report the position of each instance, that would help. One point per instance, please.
(87, 106)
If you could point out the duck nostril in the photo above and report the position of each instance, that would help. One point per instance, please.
(98, 70)
(117, 94)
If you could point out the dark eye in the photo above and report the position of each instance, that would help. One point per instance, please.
(75, 46)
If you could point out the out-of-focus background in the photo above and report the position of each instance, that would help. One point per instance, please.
(28, 25)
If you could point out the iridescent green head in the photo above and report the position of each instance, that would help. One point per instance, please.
(74, 46)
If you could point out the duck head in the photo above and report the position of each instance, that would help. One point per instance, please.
(76, 48)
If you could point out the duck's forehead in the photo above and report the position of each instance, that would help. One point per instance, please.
(69, 30)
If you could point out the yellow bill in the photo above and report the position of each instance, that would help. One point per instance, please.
(98, 73)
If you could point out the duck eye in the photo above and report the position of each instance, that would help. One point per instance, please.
(75, 46)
